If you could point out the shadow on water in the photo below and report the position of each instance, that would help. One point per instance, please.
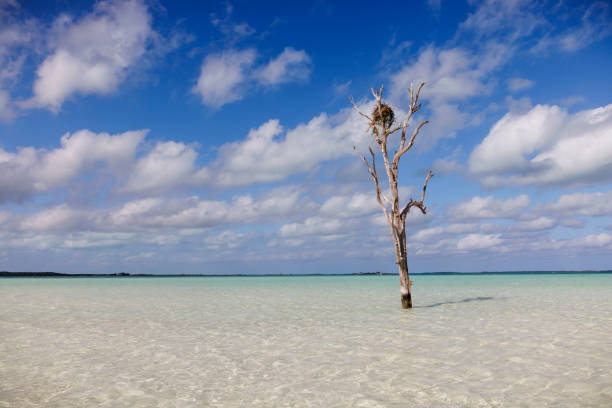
(466, 300)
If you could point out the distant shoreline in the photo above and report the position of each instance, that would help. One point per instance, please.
(6, 274)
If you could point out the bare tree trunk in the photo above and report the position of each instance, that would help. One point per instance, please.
(405, 284)
(401, 259)
(382, 126)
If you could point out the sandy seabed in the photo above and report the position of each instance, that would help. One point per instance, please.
(471, 341)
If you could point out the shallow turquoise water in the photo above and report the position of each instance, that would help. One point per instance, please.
(337, 341)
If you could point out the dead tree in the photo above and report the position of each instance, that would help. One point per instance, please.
(382, 125)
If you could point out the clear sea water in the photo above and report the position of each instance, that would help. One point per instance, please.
(338, 341)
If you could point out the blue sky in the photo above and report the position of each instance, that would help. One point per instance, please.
(160, 137)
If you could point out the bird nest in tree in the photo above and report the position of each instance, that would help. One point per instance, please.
(383, 116)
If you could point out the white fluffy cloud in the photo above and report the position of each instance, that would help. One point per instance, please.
(222, 76)
(92, 55)
(290, 65)
(83, 240)
(546, 146)
(429, 235)
(225, 77)
(587, 204)
(58, 218)
(478, 241)
(167, 166)
(183, 216)
(354, 205)
(266, 156)
(194, 212)
(515, 136)
(453, 76)
(594, 240)
(225, 239)
(538, 224)
(314, 226)
(29, 171)
(490, 207)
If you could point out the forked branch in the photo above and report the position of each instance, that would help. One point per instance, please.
(419, 204)
(413, 108)
(403, 149)
(377, 94)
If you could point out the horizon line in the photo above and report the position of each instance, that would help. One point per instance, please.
(376, 273)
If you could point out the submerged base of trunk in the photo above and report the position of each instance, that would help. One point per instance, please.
(406, 301)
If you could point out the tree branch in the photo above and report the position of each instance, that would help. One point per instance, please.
(372, 171)
(429, 175)
(404, 149)
(419, 92)
(378, 95)
(376, 175)
(418, 204)
(357, 109)
(414, 108)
